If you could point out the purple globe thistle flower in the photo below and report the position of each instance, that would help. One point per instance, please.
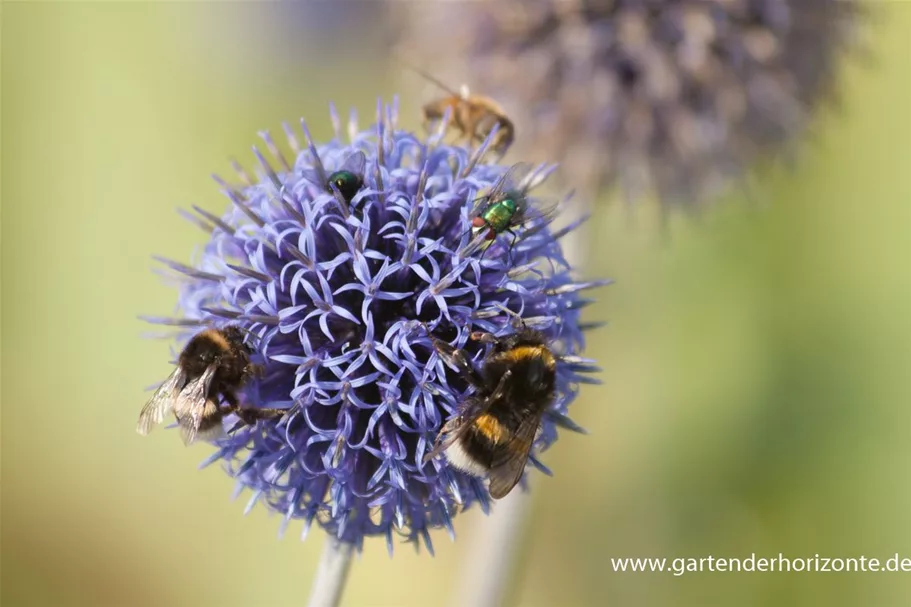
(676, 98)
(338, 293)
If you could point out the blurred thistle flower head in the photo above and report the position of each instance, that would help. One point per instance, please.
(338, 293)
(669, 98)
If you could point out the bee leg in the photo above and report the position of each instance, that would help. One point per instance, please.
(254, 370)
(467, 369)
(481, 133)
(449, 433)
(469, 141)
(484, 338)
(457, 359)
(500, 392)
(515, 319)
(231, 399)
(250, 415)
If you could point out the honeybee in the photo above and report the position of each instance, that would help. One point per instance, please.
(215, 362)
(474, 116)
(495, 427)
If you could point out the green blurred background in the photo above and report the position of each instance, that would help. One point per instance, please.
(757, 384)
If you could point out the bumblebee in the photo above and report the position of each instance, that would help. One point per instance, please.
(215, 363)
(474, 116)
(494, 429)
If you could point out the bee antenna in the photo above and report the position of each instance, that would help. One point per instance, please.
(425, 326)
(256, 338)
(517, 320)
(426, 75)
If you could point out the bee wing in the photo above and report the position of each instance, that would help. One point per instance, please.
(188, 431)
(154, 411)
(509, 459)
(209, 411)
(191, 403)
(356, 163)
(456, 359)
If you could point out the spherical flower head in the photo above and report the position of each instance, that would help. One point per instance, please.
(674, 98)
(340, 298)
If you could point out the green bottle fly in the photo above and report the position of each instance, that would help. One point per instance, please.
(497, 216)
(347, 182)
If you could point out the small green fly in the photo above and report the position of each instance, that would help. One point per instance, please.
(346, 181)
(350, 177)
(508, 206)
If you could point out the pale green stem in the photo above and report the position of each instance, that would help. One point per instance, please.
(331, 574)
(488, 568)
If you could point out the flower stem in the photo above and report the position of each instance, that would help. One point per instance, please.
(331, 574)
(488, 570)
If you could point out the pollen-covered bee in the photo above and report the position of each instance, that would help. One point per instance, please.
(215, 363)
(495, 427)
(474, 116)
